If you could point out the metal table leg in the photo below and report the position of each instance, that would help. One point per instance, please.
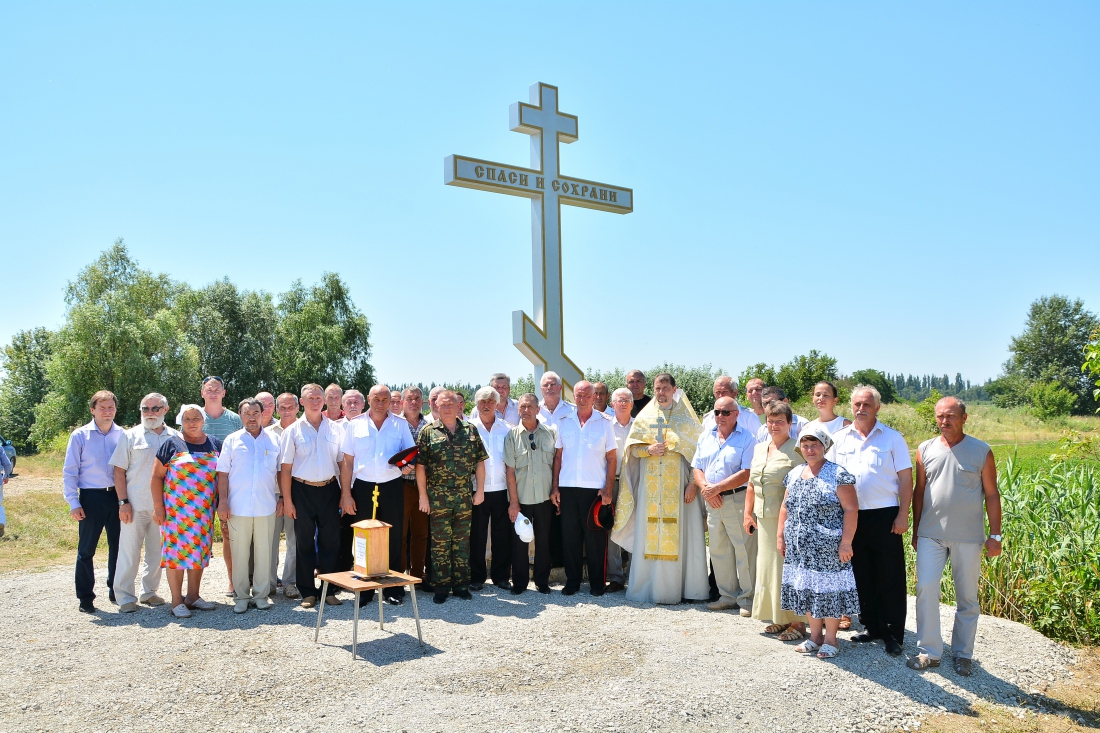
(416, 612)
(320, 610)
(381, 619)
(355, 628)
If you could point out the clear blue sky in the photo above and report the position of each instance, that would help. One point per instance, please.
(890, 183)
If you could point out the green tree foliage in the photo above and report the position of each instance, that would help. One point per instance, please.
(234, 333)
(24, 362)
(321, 337)
(926, 409)
(1051, 400)
(1051, 350)
(798, 376)
(121, 333)
(878, 380)
(1091, 367)
(697, 382)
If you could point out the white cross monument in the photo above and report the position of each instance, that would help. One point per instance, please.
(541, 339)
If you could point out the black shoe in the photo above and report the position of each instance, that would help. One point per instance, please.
(366, 597)
(516, 590)
(394, 600)
(864, 637)
(615, 586)
(440, 597)
(86, 607)
(475, 587)
(893, 647)
(598, 591)
(111, 596)
(568, 590)
(463, 594)
(503, 586)
(544, 589)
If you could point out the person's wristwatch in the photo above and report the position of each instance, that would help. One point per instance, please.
(123, 502)
(995, 537)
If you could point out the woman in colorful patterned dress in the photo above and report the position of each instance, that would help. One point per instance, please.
(184, 491)
(816, 526)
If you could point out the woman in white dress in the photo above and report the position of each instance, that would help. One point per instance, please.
(825, 400)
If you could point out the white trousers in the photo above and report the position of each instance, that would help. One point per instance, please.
(282, 524)
(242, 532)
(966, 567)
(732, 550)
(143, 530)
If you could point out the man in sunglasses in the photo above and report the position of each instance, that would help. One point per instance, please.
(133, 471)
(528, 470)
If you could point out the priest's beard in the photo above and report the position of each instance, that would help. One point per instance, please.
(152, 422)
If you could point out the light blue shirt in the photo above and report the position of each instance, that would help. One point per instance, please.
(88, 461)
(719, 459)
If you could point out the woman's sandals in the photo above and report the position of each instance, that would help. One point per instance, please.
(807, 647)
(776, 628)
(792, 634)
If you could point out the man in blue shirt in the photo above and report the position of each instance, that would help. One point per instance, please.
(721, 469)
(89, 481)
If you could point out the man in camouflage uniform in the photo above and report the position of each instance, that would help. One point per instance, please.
(451, 456)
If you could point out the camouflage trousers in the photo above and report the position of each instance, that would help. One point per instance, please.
(449, 523)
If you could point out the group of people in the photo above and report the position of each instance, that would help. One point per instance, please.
(805, 518)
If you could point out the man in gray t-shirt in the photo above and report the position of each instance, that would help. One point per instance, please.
(956, 486)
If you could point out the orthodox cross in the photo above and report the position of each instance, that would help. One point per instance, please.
(660, 425)
(541, 339)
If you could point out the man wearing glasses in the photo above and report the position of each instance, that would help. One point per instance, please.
(622, 402)
(133, 471)
(529, 472)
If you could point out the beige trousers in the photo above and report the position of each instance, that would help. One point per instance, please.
(732, 550)
(242, 532)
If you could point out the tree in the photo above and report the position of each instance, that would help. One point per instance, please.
(120, 333)
(1091, 367)
(1052, 346)
(234, 333)
(25, 385)
(797, 377)
(878, 380)
(321, 337)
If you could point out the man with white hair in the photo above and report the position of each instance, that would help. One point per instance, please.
(622, 402)
(553, 408)
(397, 402)
(353, 404)
(133, 470)
(493, 508)
(726, 386)
(879, 459)
(433, 395)
(508, 409)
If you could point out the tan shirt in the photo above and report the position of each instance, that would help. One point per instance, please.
(534, 466)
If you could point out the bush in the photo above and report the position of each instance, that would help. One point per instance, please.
(1051, 400)
(926, 409)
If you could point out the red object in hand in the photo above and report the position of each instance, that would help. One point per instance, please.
(405, 457)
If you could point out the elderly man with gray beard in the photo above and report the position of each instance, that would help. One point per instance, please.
(133, 470)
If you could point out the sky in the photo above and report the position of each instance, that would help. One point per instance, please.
(889, 183)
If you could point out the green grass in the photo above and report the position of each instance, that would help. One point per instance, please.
(40, 533)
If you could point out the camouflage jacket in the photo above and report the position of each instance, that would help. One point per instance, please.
(449, 461)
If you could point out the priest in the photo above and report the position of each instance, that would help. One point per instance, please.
(658, 519)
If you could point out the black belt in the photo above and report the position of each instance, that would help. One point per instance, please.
(731, 492)
(97, 488)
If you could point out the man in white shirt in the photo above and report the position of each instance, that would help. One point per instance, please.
(508, 409)
(879, 459)
(353, 405)
(584, 472)
(334, 402)
(603, 399)
(553, 408)
(309, 452)
(725, 386)
(248, 500)
(365, 472)
(397, 402)
(622, 402)
(721, 470)
(797, 421)
(133, 469)
(287, 405)
(492, 511)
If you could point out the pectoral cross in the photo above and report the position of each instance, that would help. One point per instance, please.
(660, 425)
(541, 339)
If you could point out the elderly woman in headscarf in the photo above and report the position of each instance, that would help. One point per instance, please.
(184, 488)
(772, 460)
(817, 523)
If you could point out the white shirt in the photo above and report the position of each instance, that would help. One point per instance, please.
(875, 462)
(373, 446)
(830, 427)
(620, 432)
(135, 454)
(493, 439)
(584, 450)
(314, 453)
(797, 424)
(510, 414)
(746, 419)
(551, 419)
(251, 464)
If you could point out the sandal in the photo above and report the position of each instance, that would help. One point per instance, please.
(807, 647)
(792, 634)
(845, 623)
(776, 628)
(827, 651)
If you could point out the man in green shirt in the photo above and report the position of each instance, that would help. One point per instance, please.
(529, 470)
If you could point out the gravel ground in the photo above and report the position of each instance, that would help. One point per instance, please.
(527, 663)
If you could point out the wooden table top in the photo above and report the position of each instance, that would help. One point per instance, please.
(352, 582)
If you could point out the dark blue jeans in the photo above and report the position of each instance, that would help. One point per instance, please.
(100, 512)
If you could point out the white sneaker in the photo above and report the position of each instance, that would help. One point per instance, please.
(203, 605)
(181, 611)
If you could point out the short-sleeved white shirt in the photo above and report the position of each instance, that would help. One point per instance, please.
(313, 453)
(373, 446)
(584, 450)
(620, 432)
(135, 454)
(252, 464)
(551, 419)
(510, 414)
(493, 439)
(797, 424)
(875, 462)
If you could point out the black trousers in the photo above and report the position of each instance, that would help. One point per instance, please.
(540, 515)
(318, 510)
(578, 541)
(878, 563)
(100, 512)
(493, 512)
(391, 510)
